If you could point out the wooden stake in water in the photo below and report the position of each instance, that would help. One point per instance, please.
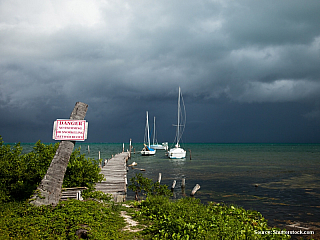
(183, 186)
(173, 185)
(130, 149)
(195, 189)
(183, 183)
(88, 150)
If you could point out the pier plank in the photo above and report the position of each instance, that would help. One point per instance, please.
(115, 177)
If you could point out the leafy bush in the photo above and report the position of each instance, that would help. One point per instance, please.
(20, 174)
(25, 221)
(145, 186)
(97, 195)
(82, 171)
(187, 218)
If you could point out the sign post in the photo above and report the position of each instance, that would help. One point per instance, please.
(49, 190)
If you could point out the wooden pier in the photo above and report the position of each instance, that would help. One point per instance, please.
(115, 174)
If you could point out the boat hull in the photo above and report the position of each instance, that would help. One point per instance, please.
(159, 146)
(148, 153)
(176, 153)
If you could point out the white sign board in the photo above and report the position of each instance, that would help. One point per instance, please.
(71, 130)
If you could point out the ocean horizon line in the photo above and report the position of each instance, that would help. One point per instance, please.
(218, 143)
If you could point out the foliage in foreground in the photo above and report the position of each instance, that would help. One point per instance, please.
(20, 174)
(82, 171)
(25, 221)
(142, 185)
(187, 218)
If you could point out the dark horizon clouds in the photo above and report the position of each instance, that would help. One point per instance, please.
(249, 70)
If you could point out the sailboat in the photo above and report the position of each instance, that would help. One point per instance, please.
(147, 150)
(155, 144)
(177, 152)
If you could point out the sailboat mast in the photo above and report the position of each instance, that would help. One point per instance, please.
(148, 130)
(178, 127)
(154, 130)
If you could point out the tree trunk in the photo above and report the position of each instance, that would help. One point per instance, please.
(49, 190)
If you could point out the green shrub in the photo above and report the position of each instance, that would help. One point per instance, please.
(187, 218)
(20, 174)
(82, 171)
(98, 195)
(25, 221)
(142, 185)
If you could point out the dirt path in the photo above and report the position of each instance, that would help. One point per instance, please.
(131, 224)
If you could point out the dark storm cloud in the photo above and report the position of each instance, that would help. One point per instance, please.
(123, 58)
(272, 23)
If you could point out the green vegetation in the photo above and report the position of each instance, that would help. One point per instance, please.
(183, 219)
(99, 218)
(187, 218)
(82, 171)
(24, 221)
(20, 174)
(146, 187)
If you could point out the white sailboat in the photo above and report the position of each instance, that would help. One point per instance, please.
(155, 144)
(147, 150)
(177, 152)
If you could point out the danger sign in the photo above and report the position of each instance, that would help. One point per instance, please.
(72, 130)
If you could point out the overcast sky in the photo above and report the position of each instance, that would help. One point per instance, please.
(249, 70)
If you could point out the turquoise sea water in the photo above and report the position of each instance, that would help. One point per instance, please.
(282, 181)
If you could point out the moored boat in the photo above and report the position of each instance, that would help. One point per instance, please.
(155, 144)
(177, 152)
(147, 150)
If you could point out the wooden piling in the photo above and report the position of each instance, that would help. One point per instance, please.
(183, 187)
(195, 189)
(190, 154)
(100, 162)
(173, 185)
(159, 178)
(130, 149)
(183, 192)
(183, 183)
